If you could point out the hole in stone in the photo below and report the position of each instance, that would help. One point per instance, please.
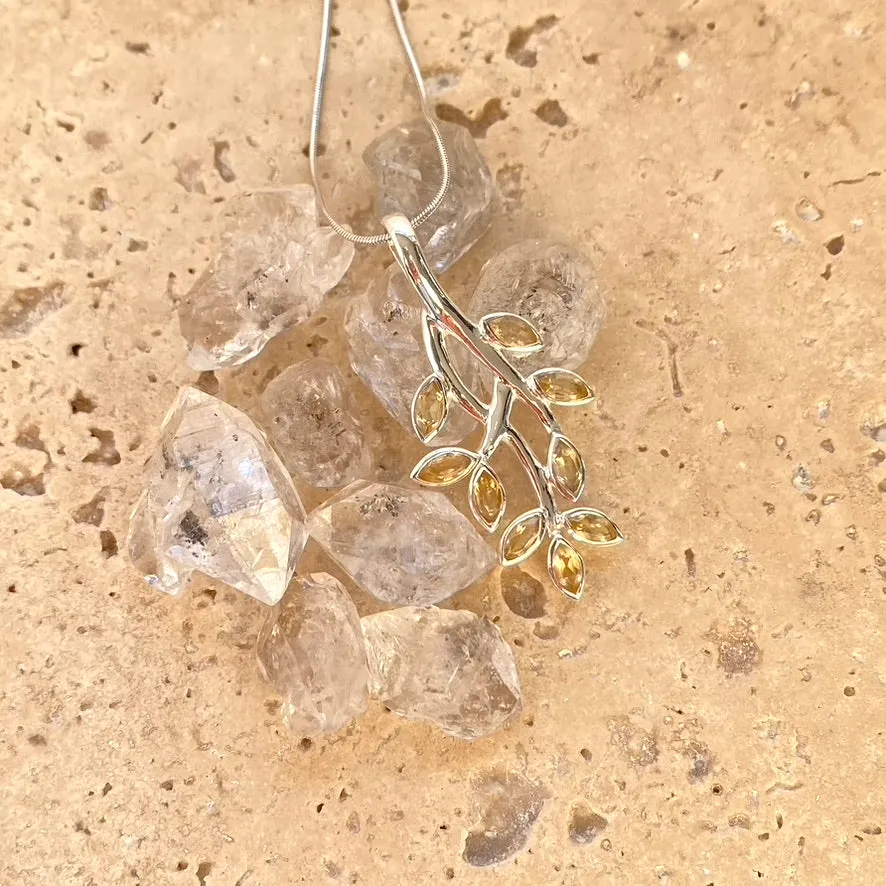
(492, 113)
(592, 58)
(137, 245)
(586, 755)
(29, 438)
(717, 789)
(106, 453)
(849, 691)
(23, 482)
(181, 866)
(81, 403)
(138, 47)
(99, 201)
(166, 785)
(109, 543)
(203, 871)
(826, 273)
(305, 744)
(835, 245)
(550, 112)
(93, 512)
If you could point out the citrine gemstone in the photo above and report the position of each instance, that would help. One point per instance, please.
(521, 537)
(566, 568)
(512, 331)
(592, 527)
(444, 467)
(563, 387)
(488, 497)
(429, 407)
(567, 467)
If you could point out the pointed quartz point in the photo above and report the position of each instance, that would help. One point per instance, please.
(311, 649)
(218, 501)
(451, 668)
(406, 167)
(384, 329)
(402, 544)
(553, 287)
(312, 419)
(273, 270)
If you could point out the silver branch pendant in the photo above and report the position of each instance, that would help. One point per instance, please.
(562, 475)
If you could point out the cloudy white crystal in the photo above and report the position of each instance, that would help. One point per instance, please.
(311, 417)
(402, 544)
(311, 649)
(406, 167)
(554, 287)
(273, 270)
(452, 668)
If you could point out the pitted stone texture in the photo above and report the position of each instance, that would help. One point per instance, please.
(219, 501)
(272, 272)
(402, 544)
(555, 288)
(384, 329)
(406, 167)
(311, 649)
(311, 417)
(451, 668)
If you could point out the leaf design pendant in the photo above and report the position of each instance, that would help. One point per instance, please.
(492, 342)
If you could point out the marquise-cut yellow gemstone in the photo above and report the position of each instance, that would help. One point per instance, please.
(444, 467)
(567, 467)
(512, 331)
(489, 497)
(430, 407)
(566, 568)
(563, 387)
(592, 527)
(521, 537)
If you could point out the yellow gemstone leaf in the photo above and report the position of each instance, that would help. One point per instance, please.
(562, 387)
(592, 527)
(566, 568)
(566, 467)
(443, 467)
(429, 408)
(512, 332)
(521, 539)
(487, 497)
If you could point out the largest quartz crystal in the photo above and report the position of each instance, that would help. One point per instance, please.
(452, 668)
(554, 287)
(273, 270)
(218, 501)
(406, 166)
(401, 544)
(311, 649)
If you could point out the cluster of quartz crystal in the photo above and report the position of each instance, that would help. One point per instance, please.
(274, 268)
(217, 500)
(452, 669)
(406, 167)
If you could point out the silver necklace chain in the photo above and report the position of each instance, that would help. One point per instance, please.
(317, 118)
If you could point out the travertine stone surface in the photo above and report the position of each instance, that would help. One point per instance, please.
(712, 711)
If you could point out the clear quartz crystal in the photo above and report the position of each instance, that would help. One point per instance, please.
(406, 167)
(219, 501)
(402, 544)
(312, 420)
(452, 668)
(384, 330)
(311, 649)
(273, 270)
(552, 286)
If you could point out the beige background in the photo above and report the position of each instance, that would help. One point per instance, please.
(724, 679)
